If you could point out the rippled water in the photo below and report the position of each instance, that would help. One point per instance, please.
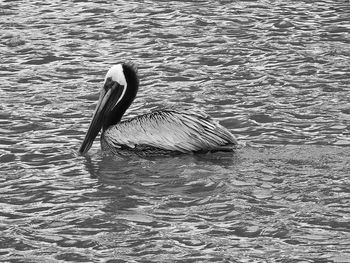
(276, 73)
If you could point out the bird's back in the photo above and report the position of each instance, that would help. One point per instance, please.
(170, 130)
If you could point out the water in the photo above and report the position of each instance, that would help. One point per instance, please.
(276, 73)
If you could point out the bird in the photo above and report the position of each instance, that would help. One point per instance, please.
(165, 130)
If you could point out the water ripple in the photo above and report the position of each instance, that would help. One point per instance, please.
(274, 72)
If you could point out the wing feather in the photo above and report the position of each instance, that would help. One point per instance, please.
(174, 130)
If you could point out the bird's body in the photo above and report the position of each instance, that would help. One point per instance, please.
(167, 130)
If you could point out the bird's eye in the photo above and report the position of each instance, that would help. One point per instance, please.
(108, 84)
(109, 80)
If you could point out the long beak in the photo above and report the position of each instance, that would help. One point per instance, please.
(108, 98)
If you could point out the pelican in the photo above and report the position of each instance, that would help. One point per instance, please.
(168, 130)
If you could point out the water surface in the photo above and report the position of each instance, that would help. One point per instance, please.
(276, 73)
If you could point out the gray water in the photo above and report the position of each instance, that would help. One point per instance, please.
(276, 73)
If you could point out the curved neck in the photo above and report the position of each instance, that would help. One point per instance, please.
(116, 114)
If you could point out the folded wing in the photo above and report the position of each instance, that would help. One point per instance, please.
(173, 130)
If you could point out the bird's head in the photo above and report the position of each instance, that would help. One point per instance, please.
(117, 93)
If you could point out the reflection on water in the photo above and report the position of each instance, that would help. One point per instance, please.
(274, 73)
